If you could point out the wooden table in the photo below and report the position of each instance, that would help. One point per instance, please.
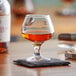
(24, 49)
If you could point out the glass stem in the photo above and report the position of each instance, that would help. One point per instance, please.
(37, 51)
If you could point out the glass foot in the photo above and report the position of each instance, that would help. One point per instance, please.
(36, 58)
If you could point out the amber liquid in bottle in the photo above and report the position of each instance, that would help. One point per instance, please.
(37, 36)
(3, 47)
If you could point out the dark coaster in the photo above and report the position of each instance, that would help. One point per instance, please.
(42, 63)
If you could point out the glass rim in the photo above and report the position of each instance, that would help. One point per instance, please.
(37, 15)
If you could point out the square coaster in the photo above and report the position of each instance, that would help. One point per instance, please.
(41, 63)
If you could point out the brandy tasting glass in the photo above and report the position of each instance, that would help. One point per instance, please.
(37, 29)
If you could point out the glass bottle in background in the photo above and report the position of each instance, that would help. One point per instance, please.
(22, 7)
(4, 25)
(67, 41)
(68, 10)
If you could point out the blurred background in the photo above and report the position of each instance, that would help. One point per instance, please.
(62, 23)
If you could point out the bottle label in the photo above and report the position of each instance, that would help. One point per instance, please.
(4, 28)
